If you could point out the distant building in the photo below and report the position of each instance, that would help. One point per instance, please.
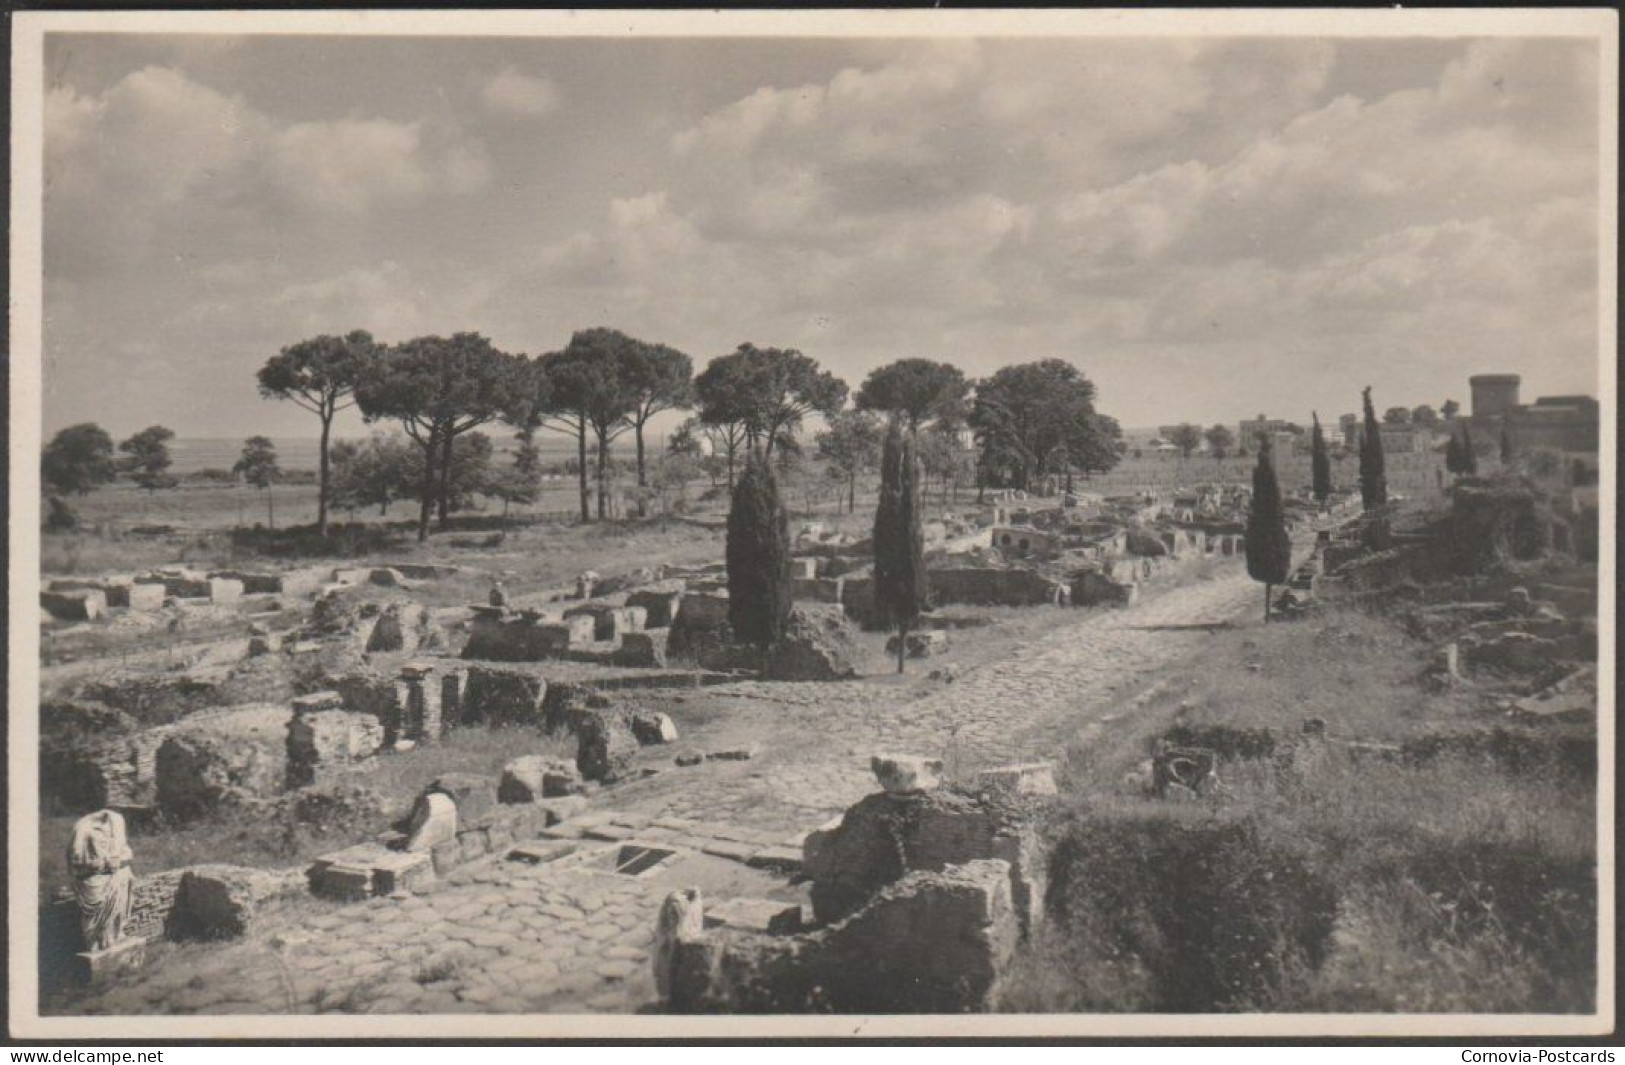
(1558, 423)
(1251, 429)
(1403, 439)
(1349, 424)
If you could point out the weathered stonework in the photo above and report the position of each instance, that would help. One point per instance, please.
(932, 942)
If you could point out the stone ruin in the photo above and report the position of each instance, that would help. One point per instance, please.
(920, 894)
(104, 924)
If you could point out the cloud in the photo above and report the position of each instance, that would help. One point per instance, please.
(158, 159)
(1182, 218)
(513, 93)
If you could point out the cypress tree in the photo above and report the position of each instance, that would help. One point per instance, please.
(1469, 455)
(1507, 452)
(1373, 466)
(900, 582)
(1268, 546)
(1320, 462)
(1452, 455)
(758, 556)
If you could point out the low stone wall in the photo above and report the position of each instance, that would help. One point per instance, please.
(493, 696)
(701, 625)
(996, 587)
(817, 589)
(528, 636)
(210, 901)
(1095, 588)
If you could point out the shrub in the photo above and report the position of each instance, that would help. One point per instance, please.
(1204, 914)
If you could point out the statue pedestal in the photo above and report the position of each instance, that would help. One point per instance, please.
(126, 954)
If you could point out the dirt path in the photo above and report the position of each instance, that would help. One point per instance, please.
(500, 936)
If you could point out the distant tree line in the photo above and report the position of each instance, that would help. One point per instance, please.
(1026, 425)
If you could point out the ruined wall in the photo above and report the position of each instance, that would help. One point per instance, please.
(934, 942)
(887, 836)
(995, 587)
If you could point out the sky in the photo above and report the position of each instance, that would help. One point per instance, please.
(1208, 228)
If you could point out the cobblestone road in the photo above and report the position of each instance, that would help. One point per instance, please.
(571, 936)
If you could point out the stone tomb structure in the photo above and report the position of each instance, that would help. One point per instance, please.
(919, 895)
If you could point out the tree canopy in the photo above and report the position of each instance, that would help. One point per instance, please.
(148, 457)
(78, 459)
(766, 392)
(851, 445)
(371, 474)
(1186, 437)
(258, 464)
(1219, 440)
(1036, 418)
(320, 375)
(917, 390)
(660, 378)
(439, 388)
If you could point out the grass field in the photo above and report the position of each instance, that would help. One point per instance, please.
(1462, 883)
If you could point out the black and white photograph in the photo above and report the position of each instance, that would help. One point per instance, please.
(1032, 523)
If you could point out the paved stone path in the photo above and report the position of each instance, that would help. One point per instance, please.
(572, 935)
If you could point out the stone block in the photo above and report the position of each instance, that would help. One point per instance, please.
(474, 793)
(318, 701)
(701, 624)
(225, 590)
(605, 745)
(779, 859)
(84, 604)
(659, 603)
(803, 569)
(819, 644)
(1032, 778)
(653, 728)
(742, 753)
(397, 872)
(733, 850)
(433, 822)
(145, 597)
(499, 837)
(541, 851)
(766, 916)
(563, 808)
(473, 843)
(522, 779)
(219, 901)
(503, 697)
(327, 739)
(123, 957)
(934, 942)
(642, 650)
(344, 883)
(817, 590)
(615, 833)
(906, 774)
(849, 863)
(446, 855)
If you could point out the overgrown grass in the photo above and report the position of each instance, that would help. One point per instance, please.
(1460, 881)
